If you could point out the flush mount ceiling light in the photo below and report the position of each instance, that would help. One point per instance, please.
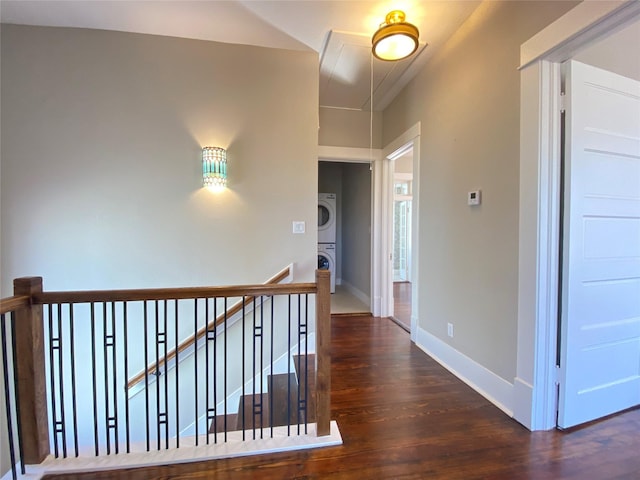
(395, 39)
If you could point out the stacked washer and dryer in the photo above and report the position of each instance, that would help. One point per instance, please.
(327, 235)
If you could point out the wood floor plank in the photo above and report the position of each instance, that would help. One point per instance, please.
(403, 416)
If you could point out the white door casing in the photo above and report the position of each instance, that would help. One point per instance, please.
(600, 323)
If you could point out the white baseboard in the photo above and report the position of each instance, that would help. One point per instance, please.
(360, 295)
(494, 388)
(522, 402)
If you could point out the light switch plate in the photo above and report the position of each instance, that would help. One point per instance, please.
(298, 227)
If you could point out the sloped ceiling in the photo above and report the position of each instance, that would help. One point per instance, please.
(338, 30)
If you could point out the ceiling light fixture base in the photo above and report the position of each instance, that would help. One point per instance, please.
(395, 39)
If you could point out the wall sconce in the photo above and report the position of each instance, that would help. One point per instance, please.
(214, 168)
(395, 39)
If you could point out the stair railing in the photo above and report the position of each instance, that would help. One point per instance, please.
(154, 369)
(91, 339)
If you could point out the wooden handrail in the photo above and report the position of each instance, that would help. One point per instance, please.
(98, 296)
(232, 310)
(11, 304)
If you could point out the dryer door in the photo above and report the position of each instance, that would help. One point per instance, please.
(324, 216)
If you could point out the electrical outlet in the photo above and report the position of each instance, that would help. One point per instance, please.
(450, 329)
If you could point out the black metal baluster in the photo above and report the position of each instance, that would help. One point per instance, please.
(61, 423)
(261, 365)
(306, 362)
(243, 363)
(195, 364)
(74, 405)
(158, 342)
(16, 392)
(125, 332)
(225, 369)
(166, 378)
(107, 410)
(114, 386)
(206, 365)
(302, 399)
(253, 398)
(146, 371)
(5, 372)
(175, 304)
(271, 370)
(215, 370)
(94, 380)
(289, 364)
(54, 413)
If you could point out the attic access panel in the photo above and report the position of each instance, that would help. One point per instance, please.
(345, 72)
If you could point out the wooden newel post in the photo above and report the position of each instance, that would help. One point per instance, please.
(323, 353)
(31, 374)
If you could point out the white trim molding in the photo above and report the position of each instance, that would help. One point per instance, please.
(578, 28)
(494, 388)
(327, 153)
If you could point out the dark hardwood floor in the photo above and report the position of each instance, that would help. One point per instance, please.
(403, 416)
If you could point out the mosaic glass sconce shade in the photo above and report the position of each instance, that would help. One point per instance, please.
(214, 167)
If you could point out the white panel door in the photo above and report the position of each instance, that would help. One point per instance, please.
(600, 320)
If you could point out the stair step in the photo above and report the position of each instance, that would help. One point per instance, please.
(218, 424)
(283, 394)
(300, 361)
(256, 411)
(282, 399)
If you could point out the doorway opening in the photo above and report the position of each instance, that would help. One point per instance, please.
(350, 184)
(402, 246)
(400, 223)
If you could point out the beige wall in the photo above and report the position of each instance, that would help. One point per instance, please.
(612, 53)
(101, 160)
(349, 128)
(467, 100)
(101, 172)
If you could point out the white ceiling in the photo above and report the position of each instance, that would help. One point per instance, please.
(339, 30)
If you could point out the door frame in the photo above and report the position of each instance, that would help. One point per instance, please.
(382, 216)
(535, 392)
(410, 139)
(373, 158)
